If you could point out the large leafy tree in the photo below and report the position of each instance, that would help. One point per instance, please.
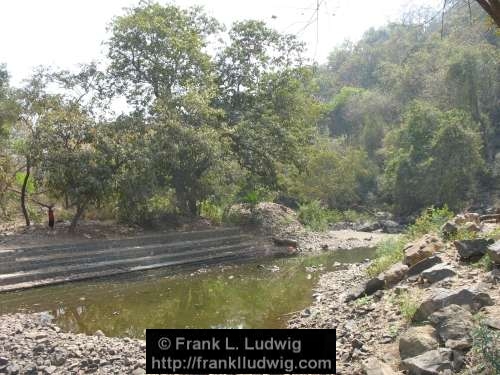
(433, 159)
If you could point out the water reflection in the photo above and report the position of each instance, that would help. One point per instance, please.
(248, 296)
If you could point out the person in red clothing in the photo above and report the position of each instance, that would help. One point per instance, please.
(51, 217)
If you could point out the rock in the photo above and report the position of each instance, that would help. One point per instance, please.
(3, 362)
(390, 226)
(366, 289)
(472, 217)
(394, 274)
(58, 358)
(138, 371)
(423, 265)
(99, 333)
(472, 249)
(437, 273)
(453, 324)
(472, 227)
(494, 252)
(449, 229)
(373, 366)
(429, 363)
(420, 249)
(459, 219)
(417, 340)
(285, 242)
(441, 298)
(368, 227)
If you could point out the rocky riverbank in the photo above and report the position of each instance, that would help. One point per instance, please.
(32, 345)
(422, 316)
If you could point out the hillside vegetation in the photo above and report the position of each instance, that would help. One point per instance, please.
(406, 118)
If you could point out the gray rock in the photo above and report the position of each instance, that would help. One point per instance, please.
(366, 289)
(473, 298)
(390, 226)
(438, 272)
(453, 324)
(3, 362)
(13, 369)
(449, 229)
(373, 366)
(472, 249)
(417, 340)
(368, 227)
(58, 358)
(432, 362)
(494, 252)
(423, 265)
(99, 333)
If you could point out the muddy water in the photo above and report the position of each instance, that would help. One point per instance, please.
(253, 295)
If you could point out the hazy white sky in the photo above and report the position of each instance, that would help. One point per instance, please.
(64, 33)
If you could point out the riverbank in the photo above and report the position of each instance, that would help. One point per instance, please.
(377, 334)
(30, 344)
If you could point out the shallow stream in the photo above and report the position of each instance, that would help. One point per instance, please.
(261, 294)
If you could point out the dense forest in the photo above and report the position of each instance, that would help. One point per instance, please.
(185, 117)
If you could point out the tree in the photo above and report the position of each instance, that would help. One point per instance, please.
(157, 53)
(492, 7)
(8, 115)
(433, 159)
(34, 104)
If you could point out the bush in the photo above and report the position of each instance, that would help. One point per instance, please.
(486, 349)
(388, 252)
(430, 221)
(211, 211)
(408, 304)
(314, 216)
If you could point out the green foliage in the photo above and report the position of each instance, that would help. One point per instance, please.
(338, 175)
(211, 211)
(431, 220)
(486, 347)
(388, 252)
(434, 159)
(314, 216)
(408, 304)
(484, 263)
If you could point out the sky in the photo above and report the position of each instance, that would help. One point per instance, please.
(64, 33)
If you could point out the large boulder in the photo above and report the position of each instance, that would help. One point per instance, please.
(453, 325)
(416, 269)
(437, 273)
(420, 249)
(472, 249)
(494, 252)
(394, 274)
(473, 298)
(432, 362)
(417, 340)
(374, 366)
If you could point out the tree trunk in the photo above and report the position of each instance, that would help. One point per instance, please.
(23, 194)
(76, 218)
(492, 7)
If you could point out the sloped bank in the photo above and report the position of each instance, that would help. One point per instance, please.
(435, 313)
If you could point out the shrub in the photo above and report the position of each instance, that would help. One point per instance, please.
(486, 349)
(408, 304)
(430, 221)
(388, 252)
(314, 216)
(211, 211)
